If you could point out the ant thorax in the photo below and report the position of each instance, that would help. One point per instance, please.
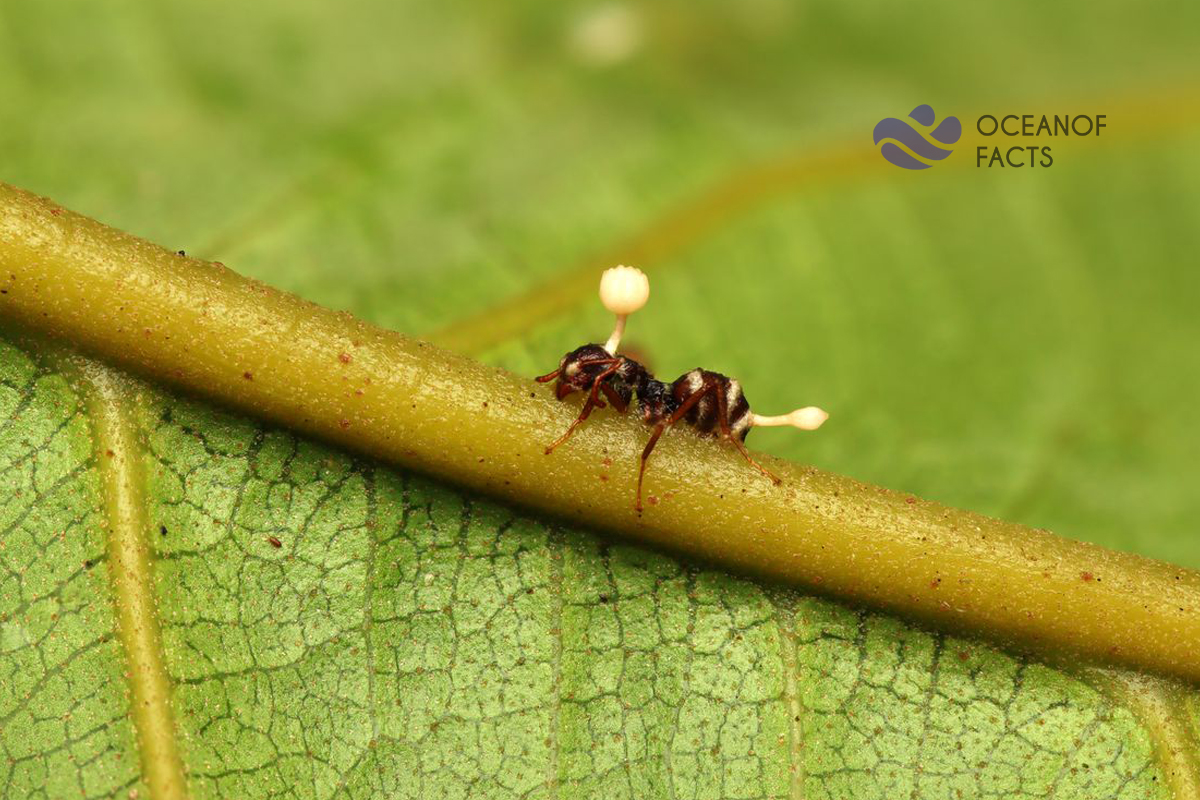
(656, 401)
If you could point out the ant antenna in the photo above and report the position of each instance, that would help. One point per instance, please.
(623, 290)
(808, 418)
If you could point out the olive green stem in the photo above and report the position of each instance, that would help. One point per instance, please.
(201, 327)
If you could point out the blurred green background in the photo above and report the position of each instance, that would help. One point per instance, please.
(1022, 341)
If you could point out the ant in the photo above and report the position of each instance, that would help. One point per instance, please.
(710, 402)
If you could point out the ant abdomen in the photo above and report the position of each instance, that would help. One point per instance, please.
(722, 408)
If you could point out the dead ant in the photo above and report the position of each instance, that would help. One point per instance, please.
(711, 403)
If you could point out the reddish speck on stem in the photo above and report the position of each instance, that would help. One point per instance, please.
(274, 541)
(1087, 577)
(344, 358)
(910, 500)
(108, 453)
(248, 376)
(344, 423)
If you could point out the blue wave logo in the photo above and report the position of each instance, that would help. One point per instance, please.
(946, 133)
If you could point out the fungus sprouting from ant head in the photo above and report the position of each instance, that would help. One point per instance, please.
(711, 403)
(623, 290)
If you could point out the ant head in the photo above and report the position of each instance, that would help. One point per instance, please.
(623, 290)
(578, 370)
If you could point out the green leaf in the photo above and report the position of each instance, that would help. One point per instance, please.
(407, 640)
(1018, 343)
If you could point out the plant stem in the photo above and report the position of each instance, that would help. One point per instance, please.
(205, 329)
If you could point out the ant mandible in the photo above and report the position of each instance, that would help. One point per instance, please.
(711, 403)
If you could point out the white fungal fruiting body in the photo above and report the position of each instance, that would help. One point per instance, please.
(623, 290)
(808, 418)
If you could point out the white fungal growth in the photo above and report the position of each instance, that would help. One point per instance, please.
(808, 418)
(623, 290)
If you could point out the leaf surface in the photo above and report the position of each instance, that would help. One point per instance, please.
(1020, 343)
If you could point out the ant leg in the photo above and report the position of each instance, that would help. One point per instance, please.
(746, 454)
(593, 401)
(583, 415)
(659, 430)
(599, 383)
(723, 419)
(614, 398)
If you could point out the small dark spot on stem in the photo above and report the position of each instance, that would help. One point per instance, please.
(274, 541)
(344, 358)
(248, 376)
(162, 530)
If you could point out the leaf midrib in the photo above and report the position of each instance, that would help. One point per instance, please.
(118, 460)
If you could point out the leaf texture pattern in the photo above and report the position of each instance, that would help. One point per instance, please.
(408, 641)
